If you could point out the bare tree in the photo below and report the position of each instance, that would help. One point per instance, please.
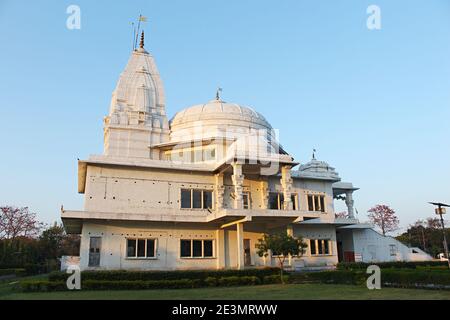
(384, 217)
(18, 222)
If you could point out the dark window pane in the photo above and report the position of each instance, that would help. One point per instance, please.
(185, 198)
(321, 247)
(316, 203)
(273, 201)
(310, 203)
(208, 248)
(185, 248)
(131, 247)
(312, 245)
(322, 204)
(207, 199)
(150, 248)
(196, 199)
(141, 248)
(197, 248)
(245, 200)
(294, 203)
(327, 246)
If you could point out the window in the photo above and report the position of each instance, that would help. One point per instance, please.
(196, 248)
(316, 202)
(196, 199)
(246, 200)
(185, 248)
(209, 154)
(141, 248)
(185, 198)
(294, 199)
(207, 248)
(393, 249)
(207, 199)
(198, 154)
(276, 201)
(320, 247)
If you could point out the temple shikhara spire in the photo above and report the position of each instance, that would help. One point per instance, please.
(199, 192)
(137, 116)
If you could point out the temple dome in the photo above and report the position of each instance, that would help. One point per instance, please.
(217, 118)
(316, 169)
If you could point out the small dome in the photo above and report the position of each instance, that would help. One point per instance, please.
(316, 169)
(217, 118)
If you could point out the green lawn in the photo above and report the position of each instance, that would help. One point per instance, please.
(269, 292)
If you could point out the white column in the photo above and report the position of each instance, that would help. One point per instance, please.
(238, 180)
(220, 248)
(286, 183)
(240, 245)
(349, 202)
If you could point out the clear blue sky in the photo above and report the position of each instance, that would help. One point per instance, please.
(375, 104)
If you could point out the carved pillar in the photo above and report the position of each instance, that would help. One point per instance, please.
(219, 190)
(286, 183)
(238, 180)
(349, 202)
(264, 194)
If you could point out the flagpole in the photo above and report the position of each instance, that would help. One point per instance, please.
(132, 38)
(137, 32)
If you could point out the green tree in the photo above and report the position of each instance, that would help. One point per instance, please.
(282, 246)
(55, 242)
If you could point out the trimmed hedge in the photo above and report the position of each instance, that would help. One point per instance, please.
(404, 278)
(275, 279)
(120, 275)
(18, 272)
(42, 286)
(334, 277)
(47, 285)
(439, 279)
(393, 264)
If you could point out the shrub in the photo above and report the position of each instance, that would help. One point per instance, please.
(238, 281)
(211, 282)
(416, 278)
(275, 279)
(99, 284)
(139, 285)
(335, 277)
(165, 275)
(393, 264)
(42, 286)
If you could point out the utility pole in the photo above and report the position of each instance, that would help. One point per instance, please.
(440, 210)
